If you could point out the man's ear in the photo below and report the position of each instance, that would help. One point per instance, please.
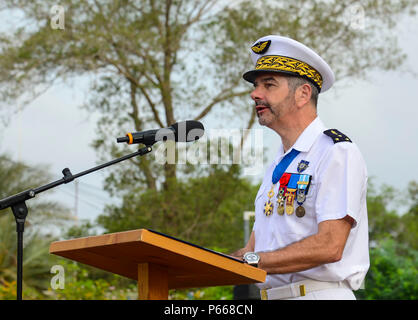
(303, 95)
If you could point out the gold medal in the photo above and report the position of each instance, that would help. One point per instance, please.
(268, 206)
(300, 211)
(280, 208)
(280, 202)
(289, 209)
(290, 197)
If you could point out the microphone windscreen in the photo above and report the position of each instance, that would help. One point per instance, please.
(187, 131)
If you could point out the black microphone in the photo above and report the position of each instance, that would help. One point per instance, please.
(184, 131)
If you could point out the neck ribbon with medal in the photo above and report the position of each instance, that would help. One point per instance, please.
(292, 186)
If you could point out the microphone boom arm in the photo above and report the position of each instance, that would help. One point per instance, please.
(20, 210)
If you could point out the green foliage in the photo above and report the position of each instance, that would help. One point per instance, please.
(393, 272)
(85, 283)
(409, 232)
(388, 223)
(206, 210)
(393, 245)
(383, 222)
(84, 229)
(36, 258)
(8, 291)
(211, 293)
(16, 177)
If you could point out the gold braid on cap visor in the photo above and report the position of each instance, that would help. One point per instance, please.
(291, 65)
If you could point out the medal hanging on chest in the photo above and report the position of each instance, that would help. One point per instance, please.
(277, 175)
(268, 205)
(302, 190)
(290, 197)
(291, 193)
(280, 201)
(282, 191)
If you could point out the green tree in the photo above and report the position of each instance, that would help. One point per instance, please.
(87, 283)
(408, 233)
(393, 245)
(156, 61)
(16, 177)
(206, 210)
(383, 222)
(389, 223)
(392, 274)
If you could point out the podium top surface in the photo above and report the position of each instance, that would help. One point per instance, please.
(188, 265)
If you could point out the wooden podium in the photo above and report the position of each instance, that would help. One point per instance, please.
(157, 261)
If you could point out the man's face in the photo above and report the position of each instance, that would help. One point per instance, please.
(272, 97)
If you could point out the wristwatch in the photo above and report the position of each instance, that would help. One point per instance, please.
(251, 258)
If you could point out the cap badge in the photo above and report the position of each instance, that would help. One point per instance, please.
(261, 47)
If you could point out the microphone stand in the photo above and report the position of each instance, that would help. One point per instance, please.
(20, 210)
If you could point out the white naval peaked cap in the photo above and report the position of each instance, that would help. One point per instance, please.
(281, 54)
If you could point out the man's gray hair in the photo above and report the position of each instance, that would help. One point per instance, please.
(295, 82)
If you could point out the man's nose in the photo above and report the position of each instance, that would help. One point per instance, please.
(256, 94)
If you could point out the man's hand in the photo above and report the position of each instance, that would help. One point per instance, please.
(249, 247)
(239, 253)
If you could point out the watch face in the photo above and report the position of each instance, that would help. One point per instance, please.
(251, 257)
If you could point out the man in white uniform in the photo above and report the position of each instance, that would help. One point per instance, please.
(311, 231)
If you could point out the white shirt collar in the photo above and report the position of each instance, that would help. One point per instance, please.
(306, 138)
(309, 135)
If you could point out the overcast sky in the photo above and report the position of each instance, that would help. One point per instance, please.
(379, 115)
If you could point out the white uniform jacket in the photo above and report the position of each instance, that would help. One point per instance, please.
(338, 185)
